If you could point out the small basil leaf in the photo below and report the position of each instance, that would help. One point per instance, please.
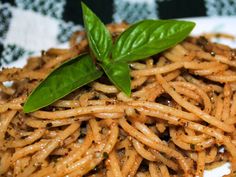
(62, 81)
(149, 37)
(99, 37)
(119, 75)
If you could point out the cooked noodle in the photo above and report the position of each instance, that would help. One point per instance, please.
(181, 113)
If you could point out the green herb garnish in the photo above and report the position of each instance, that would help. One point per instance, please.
(139, 41)
(99, 37)
(62, 81)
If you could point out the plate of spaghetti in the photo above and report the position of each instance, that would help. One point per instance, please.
(179, 119)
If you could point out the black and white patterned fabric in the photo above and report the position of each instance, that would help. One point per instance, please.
(29, 26)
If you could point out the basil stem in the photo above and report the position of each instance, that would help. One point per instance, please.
(63, 80)
(149, 37)
(99, 37)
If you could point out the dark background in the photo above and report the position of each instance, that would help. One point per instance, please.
(167, 9)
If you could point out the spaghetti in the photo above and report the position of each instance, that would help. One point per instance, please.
(180, 115)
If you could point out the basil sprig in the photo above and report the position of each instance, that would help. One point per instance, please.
(100, 42)
(139, 41)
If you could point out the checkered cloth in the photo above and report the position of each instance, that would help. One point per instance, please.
(29, 26)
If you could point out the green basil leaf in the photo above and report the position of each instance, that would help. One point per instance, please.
(62, 81)
(119, 75)
(99, 37)
(149, 37)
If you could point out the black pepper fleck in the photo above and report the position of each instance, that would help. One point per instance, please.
(192, 146)
(105, 155)
(82, 135)
(49, 125)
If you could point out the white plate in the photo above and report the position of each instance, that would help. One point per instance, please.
(204, 25)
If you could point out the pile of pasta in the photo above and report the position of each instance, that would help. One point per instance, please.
(179, 120)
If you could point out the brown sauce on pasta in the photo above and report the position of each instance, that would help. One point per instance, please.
(181, 112)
